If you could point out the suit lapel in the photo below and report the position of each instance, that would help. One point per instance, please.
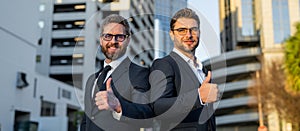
(116, 74)
(93, 109)
(89, 105)
(120, 70)
(185, 68)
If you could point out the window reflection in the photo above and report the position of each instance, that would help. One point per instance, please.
(281, 20)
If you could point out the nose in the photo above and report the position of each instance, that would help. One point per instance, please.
(189, 33)
(114, 39)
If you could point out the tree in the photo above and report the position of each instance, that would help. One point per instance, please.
(292, 62)
(274, 96)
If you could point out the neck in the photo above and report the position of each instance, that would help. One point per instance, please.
(108, 60)
(190, 54)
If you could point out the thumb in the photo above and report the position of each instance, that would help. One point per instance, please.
(207, 79)
(108, 84)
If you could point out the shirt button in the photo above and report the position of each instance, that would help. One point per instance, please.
(92, 117)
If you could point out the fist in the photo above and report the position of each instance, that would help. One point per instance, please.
(106, 100)
(209, 92)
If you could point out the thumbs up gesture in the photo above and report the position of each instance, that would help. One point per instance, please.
(208, 91)
(106, 100)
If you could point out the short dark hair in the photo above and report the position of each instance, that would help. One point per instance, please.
(184, 13)
(114, 18)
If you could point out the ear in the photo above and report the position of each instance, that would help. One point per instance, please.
(171, 33)
(128, 39)
(100, 41)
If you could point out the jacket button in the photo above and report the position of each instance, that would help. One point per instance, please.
(92, 117)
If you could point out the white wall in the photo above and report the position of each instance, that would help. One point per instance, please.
(13, 61)
(19, 33)
(18, 37)
(47, 123)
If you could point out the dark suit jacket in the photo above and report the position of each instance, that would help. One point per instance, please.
(129, 84)
(174, 90)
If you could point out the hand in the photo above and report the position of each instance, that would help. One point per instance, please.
(208, 91)
(106, 100)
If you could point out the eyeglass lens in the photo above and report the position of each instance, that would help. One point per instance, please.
(183, 31)
(118, 37)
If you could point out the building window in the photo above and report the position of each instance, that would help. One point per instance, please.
(109, 1)
(75, 59)
(38, 58)
(66, 94)
(71, 79)
(107, 13)
(65, 25)
(47, 108)
(281, 20)
(62, 8)
(68, 42)
(134, 23)
(42, 8)
(247, 18)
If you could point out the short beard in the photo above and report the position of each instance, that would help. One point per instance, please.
(187, 49)
(115, 55)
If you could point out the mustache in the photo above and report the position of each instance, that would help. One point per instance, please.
(116, 45)
(189, 40)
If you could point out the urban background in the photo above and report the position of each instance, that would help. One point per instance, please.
(50, 47)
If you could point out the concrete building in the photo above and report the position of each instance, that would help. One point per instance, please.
(252, 35)
(29, 99)
(141, 19)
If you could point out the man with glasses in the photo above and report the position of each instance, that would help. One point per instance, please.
(115, 97)
(180, 85)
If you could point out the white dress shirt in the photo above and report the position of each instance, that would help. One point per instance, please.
(197, 68)
(114, 64)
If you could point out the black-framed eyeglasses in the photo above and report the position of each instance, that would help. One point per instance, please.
(117, 37)
(183, 31)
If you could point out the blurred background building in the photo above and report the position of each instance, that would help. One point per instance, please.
(252, 35)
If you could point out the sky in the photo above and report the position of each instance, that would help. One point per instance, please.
(208, 11)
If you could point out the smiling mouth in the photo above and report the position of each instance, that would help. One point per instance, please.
(114, 46)
(189, 42)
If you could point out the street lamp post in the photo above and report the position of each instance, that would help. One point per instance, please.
(261, 127)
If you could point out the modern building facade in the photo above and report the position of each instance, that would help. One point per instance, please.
(141, 20)
(28, 99)
(252, 35)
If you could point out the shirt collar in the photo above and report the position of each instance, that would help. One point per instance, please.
(187, 59)
(115, 63)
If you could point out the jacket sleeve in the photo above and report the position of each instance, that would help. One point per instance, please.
(136, 110)
(164, 91)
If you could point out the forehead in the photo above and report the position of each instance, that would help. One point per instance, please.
(114, 28)
(185, 22)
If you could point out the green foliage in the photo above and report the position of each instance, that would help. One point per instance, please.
(292, 61)
(78, 117)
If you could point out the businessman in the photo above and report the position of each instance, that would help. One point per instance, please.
(115, 96)
(181, 91)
